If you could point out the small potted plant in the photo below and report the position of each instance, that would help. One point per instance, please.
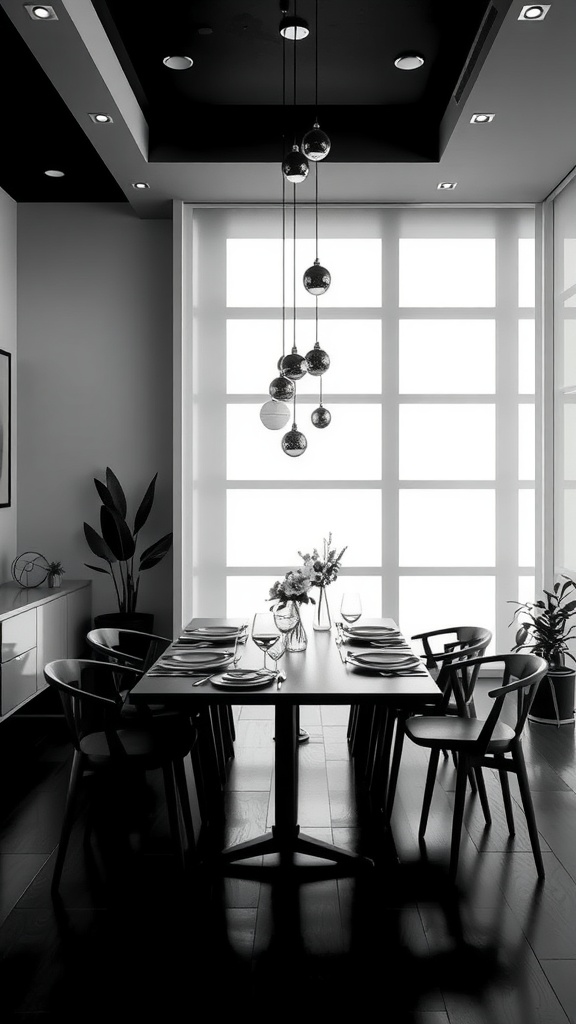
(55, 572)
(544, 629)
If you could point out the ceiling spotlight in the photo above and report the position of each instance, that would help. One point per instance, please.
(534, 12)
(294, 28)
(178, 63)
(101, 118)
(140, 184)
(481, 118)
(41, 12)
(447, 185)
(54, 174)
(409, 61)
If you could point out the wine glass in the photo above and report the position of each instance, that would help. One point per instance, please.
(278, 650)
(264, 632)
(351, 606)
(286, 618)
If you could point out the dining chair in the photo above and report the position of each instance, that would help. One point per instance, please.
(127, 648)
(119, 749)
(489, 742)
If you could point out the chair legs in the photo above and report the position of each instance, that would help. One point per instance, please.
(65, 832)
(428, 791)
(528, 806)
(459, 800)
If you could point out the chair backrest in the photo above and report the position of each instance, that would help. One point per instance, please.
(128, 646)
(88, 693)
(521, 675)
(459, 645)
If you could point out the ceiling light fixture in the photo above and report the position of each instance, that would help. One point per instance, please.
(292, 27)
(178, 63)
(41, 12)
(446, 185)
(409, 61)
(534, 12)
(101, 118)
(140, 184)
(481, 118)
(54, 174)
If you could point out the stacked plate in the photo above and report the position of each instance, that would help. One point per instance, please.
(372, 632)
(244, 679)
(199, 659)
(213, 634)
(384, 661)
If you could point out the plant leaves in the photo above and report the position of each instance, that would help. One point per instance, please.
(117, 494)
(98, 545)
(98, 568)
(116, 533)
(145, 506)
(104, 494)
(152, 555)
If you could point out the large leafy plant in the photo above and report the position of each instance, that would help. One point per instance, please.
(117, 542)
(544, 628)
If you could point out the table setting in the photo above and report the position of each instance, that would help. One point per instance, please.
(377, 650)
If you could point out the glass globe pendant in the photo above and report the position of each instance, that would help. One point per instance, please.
(295, 166)
(294, 443)
(315, 143)
(317, 279)
(318, 361)
(281, 389)
(294, 365)
(321, 417)
(274, 415)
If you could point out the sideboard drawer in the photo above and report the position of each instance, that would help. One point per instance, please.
(18, 680)
(18, 634)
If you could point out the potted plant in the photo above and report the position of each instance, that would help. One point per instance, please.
(55, 573)
(117, 544)
(544, 629)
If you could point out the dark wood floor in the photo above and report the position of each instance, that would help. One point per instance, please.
(126, 939)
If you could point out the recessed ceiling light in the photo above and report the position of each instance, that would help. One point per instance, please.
(445, 185)
(409, 61)
(178, 63)
(205, 30)
(54, 174)
(140, 184)
(40, 12)
(101, 118)
(481, 118)
(294, 28)
(534, 12)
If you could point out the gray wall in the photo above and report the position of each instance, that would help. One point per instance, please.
(95, 382)
(8, 214)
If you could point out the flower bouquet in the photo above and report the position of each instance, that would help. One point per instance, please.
(323, 570)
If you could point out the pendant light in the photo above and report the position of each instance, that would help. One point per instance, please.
(275, 414)
(294, 443)
(295, 166)
(316, 279)
(316, 144)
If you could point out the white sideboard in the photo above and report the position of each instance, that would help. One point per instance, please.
(39, 625)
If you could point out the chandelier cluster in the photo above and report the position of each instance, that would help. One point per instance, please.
(292, 366)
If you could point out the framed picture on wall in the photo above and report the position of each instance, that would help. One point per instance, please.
(5, 424)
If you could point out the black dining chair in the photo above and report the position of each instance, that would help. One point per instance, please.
(119, 749)
(489, 742)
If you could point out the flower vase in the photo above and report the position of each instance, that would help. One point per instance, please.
(296, 639)
(322, 620)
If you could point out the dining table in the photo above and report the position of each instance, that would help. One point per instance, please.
(321, 674)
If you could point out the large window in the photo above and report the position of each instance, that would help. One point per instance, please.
(427, 471)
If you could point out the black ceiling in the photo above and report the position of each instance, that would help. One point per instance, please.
(229, 106)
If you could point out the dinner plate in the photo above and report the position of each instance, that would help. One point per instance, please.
(215, 632)
(197, 659)
(371, 632)
(385, 661)
(254, 681)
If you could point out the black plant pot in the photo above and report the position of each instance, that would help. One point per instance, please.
(143, 622)
(554, 700)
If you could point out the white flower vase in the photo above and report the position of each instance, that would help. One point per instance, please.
(322, 620)
(296, 638)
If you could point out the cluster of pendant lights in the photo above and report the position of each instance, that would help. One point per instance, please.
(314, 146)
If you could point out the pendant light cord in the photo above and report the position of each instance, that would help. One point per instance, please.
(316, 66)
(294, 274)
(283, 197)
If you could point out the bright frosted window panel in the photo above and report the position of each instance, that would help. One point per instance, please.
(569, 440)
(348, 449)
(569, 263)
(447, 357)
(526, 526)
(435, 602)
(254, 271)
(447, 527)
(254, 347)
(526, 272)
(270, 527)
(447, 272)
(526, 442)
(247, 595)
(568, 374)
(526, 357)
(526, 589)
(447, 442)
(567, 551)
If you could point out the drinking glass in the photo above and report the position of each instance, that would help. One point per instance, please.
(351, 606)
(278, 650)
(264, 632)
